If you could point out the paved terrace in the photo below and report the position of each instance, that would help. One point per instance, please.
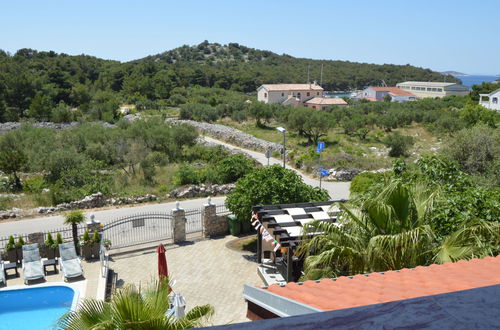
(206, 272)
(89, 284)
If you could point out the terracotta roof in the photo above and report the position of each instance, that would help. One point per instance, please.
(395, 91)
(292, 87)
(375, 288)
(327, 101)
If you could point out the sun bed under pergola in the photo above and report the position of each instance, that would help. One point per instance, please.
(285, 223)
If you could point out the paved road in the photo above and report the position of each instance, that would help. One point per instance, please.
(337, 190)
(50, 223)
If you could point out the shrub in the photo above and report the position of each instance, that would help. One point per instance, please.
(233, 167)
(34, 184)
(270, 185)
(49, 242)
(364, 182)
(398, 144)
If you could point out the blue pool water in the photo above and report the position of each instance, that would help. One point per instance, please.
(34, 308)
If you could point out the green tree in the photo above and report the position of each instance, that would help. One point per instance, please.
(391, 232)
(477, 150)
(75, 218)
(473, 114)
(132, 308)
(317, 125)
(270, 185)
(12, 157)
(231, 168)
(398, 144)
(40, 108)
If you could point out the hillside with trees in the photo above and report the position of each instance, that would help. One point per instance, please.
(46, 86)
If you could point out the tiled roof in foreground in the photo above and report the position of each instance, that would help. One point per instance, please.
(375, 288)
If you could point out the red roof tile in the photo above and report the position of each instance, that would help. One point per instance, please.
(375, 288)
(395, 91)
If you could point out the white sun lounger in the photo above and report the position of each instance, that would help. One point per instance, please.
(69, 262)
(2, 272)
(32, 263)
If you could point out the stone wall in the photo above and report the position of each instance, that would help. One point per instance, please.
(5, 127)
(95, 201)
(202, 190)
(213, 224)
(231, 135)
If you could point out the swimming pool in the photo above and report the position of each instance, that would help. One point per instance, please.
(35, 308)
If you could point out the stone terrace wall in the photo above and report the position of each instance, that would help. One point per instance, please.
(231, 135)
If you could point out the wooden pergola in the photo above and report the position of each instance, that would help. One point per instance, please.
(285, 222)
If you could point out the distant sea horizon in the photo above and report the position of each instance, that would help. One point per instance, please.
(470, 80)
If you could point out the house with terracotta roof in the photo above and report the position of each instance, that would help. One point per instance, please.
(380, 93)
(462, 294)
(323, 103)
(289, 94)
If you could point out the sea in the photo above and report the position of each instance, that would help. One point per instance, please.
(476, 79)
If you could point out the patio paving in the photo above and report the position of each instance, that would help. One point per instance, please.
(206, 272)
(90, 280)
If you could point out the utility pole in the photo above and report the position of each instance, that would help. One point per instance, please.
(321, 76)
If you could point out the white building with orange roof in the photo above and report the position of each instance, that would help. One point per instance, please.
(323, 103)
(380, 93)
(292, 94)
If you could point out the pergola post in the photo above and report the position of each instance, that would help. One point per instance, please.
(289, 265)
(259, 247)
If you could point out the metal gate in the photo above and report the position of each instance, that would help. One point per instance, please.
(139, 229)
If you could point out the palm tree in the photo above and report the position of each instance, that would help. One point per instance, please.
(132, 308)
(391, 231)
(74, 219)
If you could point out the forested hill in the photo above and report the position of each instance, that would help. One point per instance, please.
(51, 86)
(242, 68)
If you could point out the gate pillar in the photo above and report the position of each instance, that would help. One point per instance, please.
(179, 219)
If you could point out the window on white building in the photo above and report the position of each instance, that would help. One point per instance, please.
(265, 94)
(308, 94)
(495, 100)
(282, 94)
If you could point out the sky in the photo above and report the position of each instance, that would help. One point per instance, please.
(442, 35)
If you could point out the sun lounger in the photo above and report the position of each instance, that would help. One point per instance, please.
(2, 272)
(69, 262)
(32, 263)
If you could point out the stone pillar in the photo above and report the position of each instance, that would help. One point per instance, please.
(93, 224)
(210, 227)
(179, 220)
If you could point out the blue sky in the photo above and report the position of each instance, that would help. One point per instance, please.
(441, 35)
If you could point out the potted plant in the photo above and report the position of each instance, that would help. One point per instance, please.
(11, 249)
(59, 240)
(96, 243)
(50, 251)
(19, 248)
(86, 245)
(106, 243)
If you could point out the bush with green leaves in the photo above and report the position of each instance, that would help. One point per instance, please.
(364, 182)
(477, 151)
(270, 185)
(399, 144)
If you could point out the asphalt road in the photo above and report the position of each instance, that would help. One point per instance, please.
(50, 223)
(336, 190)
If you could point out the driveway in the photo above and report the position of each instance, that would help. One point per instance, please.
(205, 272)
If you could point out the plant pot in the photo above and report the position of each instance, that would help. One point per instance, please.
(19, 252)
(95, 250)
(56, 251)
(50, 252)
(87, 251)
(12, 255)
